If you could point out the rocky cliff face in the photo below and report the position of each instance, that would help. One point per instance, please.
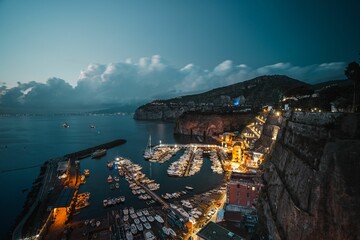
(203, 124)
(311, 179)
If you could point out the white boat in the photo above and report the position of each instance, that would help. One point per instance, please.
(165, 230)
(189, 188)
(131, 210)
(122, 198)
(105, 202)
(140, 227)
(133, 216)
(139, 213)
(148, 150)
(129, 236)
(150, 218)
(173, 206)
(143, 218)
(98, 223)
(133, 229)
(159, 219)
(65, 125)
(192, 220)
(136, 221)
(172, 232)
(145, 212)
(86, 172)
(147, 225)
(98, 153)
(126, 218)
(149, 235)
(126, 211)
(109, 179)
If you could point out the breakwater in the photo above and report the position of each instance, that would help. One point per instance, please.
(87, 152)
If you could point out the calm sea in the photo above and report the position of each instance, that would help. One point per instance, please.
(28, 141)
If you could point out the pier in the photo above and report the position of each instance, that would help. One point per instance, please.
(191, 158)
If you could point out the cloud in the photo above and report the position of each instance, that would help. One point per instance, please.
(115, 83)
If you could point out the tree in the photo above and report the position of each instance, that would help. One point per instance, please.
(352, 72)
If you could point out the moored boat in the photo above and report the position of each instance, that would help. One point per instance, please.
(86, 172)
(129, 236)
(109, 179)
(98, 153)
(159, 219)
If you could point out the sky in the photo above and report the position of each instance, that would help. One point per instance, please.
(113, 51)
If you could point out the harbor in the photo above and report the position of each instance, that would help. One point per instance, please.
(125, 186)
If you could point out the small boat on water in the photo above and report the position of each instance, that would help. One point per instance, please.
(92, 126)
(139, 213)
(136, 221)
(159, 219)
(109, 179)
(172, 232)
(126, 218)
(122, 199)
(86, 172)
(65, 125)
(150, 218)
(112, 186)
(165, 230)
(131, 210)
(139, 227)
(82, 179)
(117, 186)
(133, 216)
(98, 153)
(110, 165)
(133, 228)
(126, 211)
(149, 235)
(143, 218)
(116, 178)
(145, 212)
(129, 236)
(105, 202)
(98, 223)
(147, 225)
(189, 188)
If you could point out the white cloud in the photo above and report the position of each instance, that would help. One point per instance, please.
(151, 76)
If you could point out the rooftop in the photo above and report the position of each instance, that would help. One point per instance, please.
(213, 231)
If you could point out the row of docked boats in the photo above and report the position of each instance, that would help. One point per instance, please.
(113, 201)
(177, 168)
(216, 164)
(82, 200)
(197, 162)
(163, 153)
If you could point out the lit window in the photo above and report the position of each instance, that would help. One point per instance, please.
(253, 188)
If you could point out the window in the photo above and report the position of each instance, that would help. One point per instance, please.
(247, 195)
(238, 185)
(253, 188)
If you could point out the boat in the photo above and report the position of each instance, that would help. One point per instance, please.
(172, 232)
(126, 211)
(116, 178)
(139, 213)
(147, 225)
(192, 220)
(122, 199)
(140, 227)
(148, 150)
(173, 206)
(143, 218)
(189, 188)
(131, 210)
(65, 125)
(110, 165)
(150, 218)
(117, 186)
(98, 153)
(98, 223)
(92, 126)
(126, 218)
(86, 172)
(109, 179)
(145, 212)
(159, 219)
(133, 229)
(129, 236)
(105, 202)
(165, 230)
(82, 179)
(136, 221)
(149, 235)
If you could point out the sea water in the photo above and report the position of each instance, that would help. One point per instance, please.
(26, 142)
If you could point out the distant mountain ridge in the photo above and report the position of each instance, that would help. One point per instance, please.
(253, 93)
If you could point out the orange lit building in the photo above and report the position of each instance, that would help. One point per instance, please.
(243, 189)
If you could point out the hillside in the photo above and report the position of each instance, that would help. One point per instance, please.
(252, 94)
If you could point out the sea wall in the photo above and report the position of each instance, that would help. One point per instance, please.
(210, 124)
(311, 178)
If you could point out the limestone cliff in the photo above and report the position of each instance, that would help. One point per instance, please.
(311, 177)
(210, 124)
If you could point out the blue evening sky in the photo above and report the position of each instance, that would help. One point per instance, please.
(43, 39)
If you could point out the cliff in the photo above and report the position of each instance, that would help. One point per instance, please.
(251, 94)
(311, 177)
(210, 124)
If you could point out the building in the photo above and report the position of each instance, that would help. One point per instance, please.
(237, 152)
(212, 231)
(243, 189)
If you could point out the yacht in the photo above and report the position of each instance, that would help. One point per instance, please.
(98, 153)
(148, 150)
(65, 125)
(129, 236)
(86, 172)
(159, 219)
(149, 235)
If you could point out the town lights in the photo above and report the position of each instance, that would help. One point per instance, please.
(277, 113)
